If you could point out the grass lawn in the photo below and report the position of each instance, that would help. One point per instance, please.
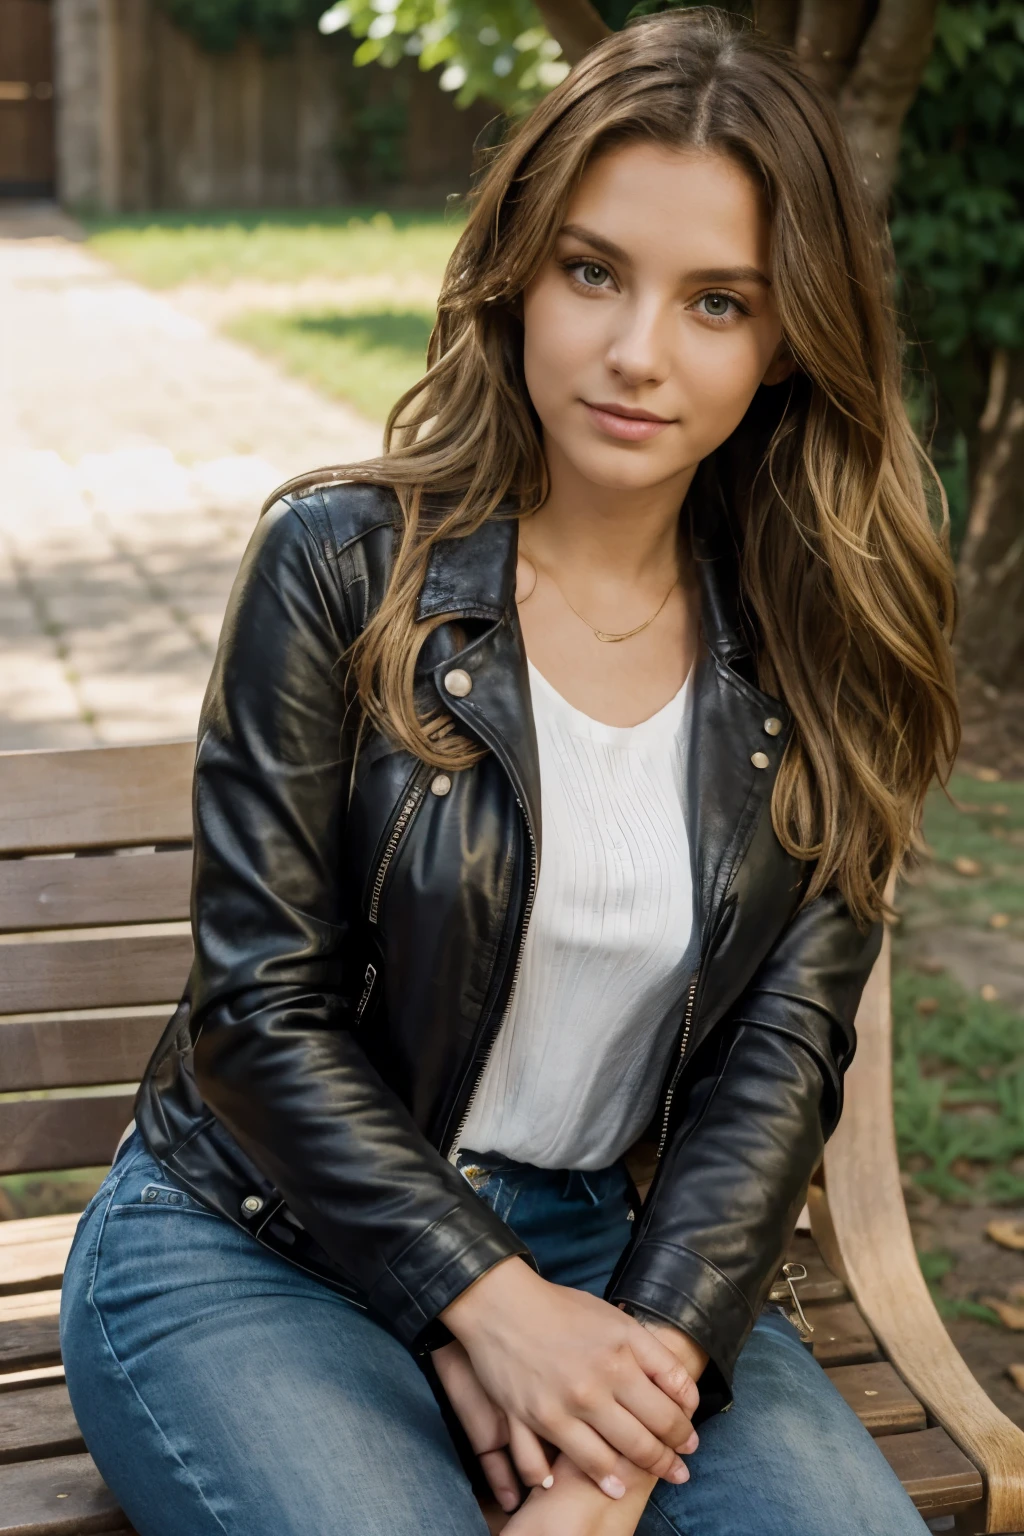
(162, 250)
(959, 1052)
(366, 357)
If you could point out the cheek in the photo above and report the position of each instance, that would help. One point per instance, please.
(720, 372)
(557, 340)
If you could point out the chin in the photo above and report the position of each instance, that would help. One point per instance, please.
(621, 467)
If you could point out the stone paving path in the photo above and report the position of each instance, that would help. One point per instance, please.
(136, 447)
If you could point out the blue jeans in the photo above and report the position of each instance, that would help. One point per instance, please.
(222, 1392)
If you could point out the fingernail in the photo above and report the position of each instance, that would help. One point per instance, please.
(614, 1487)
(679, 1474)
(549, 1481)
(508, 1500)
(692, 1444)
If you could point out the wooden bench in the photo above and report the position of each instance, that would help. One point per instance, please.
(94, 948)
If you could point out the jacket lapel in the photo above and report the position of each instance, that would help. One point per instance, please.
(474, 578)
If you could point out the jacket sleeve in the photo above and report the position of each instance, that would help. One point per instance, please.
(272, 987)
(765, 1093)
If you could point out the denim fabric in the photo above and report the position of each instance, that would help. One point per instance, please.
(221, 1390)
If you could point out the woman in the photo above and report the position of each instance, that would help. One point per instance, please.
(648, 563)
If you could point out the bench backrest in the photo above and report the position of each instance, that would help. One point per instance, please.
(95, 861)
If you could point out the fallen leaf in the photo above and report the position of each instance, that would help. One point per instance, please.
(930, 967)
(988, 775)
(1010, 1316)
(1008, 1234)
(999, 810)
(1016, 1375)
(926, 1006)
(989, 993)
(965, 866)
(999, 920)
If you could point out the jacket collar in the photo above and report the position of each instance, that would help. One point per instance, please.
(475, 577)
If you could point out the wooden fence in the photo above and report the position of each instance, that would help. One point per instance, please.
(148, 119)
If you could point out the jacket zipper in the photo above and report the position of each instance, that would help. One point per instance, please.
(398, 831)
(368, 980)
(531, 897)
(683, 1043)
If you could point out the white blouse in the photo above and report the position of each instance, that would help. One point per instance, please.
(573, 1077)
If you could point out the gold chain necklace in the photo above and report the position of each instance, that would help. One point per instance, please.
(606, 636)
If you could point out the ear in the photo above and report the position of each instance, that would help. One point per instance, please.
(782, 365)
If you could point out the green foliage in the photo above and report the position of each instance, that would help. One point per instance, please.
(495, 49)
(219, 24)
(958, 206)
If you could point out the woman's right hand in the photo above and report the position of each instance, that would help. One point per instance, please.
(579, 1373)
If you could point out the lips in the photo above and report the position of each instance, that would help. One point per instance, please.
(625, 422)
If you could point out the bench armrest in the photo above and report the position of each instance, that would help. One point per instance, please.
(876, 1251)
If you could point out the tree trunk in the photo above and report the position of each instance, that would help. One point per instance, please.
(991, 638)
(574, 24)
(869, 57)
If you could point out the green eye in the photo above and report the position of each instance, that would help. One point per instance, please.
(716, 305)
(594, 275)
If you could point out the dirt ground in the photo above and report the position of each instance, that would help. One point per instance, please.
(982, 1267)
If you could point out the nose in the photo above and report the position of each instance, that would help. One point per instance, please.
(637, 351)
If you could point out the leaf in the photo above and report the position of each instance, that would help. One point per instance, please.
(1008, 1234)
(1016, 1375)
(1010, 1316)
(965, 866)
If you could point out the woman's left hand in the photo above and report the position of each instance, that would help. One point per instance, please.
(487, 1428)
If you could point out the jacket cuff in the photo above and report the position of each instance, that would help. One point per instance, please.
(442, 1262)
(691, 1293)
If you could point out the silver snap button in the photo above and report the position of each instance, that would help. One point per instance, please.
(458, 683)
(440, 784)
(149, 1193)
(252, 1205)
(773, 726)
(759, 759)
(174, 1198)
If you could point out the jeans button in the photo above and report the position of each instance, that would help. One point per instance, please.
(149, 1193)
(252, 1205)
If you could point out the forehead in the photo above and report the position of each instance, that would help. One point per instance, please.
(683, 207)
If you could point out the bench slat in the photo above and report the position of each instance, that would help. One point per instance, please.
(841, 1336)
(40, 1134)
(934, 1471)
(37, 1422)
(59, 1496)
(77, 1053)
(882, 1402)
(93, 972)
(36, 894)
(100, 797)
(26, 1342)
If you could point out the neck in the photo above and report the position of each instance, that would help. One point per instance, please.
(630, 535)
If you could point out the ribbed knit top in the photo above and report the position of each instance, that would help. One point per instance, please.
(573, 1077)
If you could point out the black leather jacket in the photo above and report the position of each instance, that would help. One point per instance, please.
(358, 920)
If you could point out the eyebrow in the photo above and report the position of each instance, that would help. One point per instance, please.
(699, 275)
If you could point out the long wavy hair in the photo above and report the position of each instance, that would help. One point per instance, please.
(844, 569)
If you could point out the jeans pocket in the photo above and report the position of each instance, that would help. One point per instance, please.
(495, 1189)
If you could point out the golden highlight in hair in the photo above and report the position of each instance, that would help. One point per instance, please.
(846, 583)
